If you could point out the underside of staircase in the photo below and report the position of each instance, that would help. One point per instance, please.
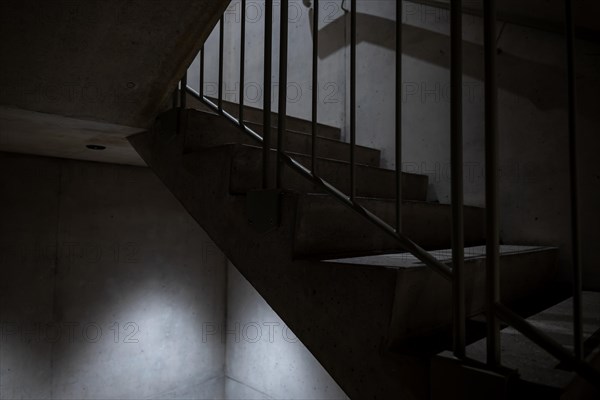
(347, 290)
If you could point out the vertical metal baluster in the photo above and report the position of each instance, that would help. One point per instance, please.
(315, 85)
(267, 93)
(183, 91)
(282, 108)
(456, 150)
(242, 60)
(353, 100)
(491, 184)
(221, 46)
(398, 138)
(175, 95)
(201, 83)
(573, 178)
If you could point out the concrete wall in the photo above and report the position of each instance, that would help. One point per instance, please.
(532, 104)
(110, 290)
(332, 55)
(264, 357)
(106, 282)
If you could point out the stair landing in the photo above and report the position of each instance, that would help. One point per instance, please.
(536, 365)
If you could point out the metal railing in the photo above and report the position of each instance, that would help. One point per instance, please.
(495, 310)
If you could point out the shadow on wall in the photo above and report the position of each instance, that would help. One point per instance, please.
(381, 33)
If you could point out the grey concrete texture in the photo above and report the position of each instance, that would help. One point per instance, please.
(343, 313)
(106, 283)
(332, 86)
(253, 117)
(525, 273)
(299, 142)
(265, 355)
(206, 130)
(30, 132)
(107, 61)
(28, 263)
(110, 290)
(371, 181)
(324, 228)
(534, 187)
(532, 103)
(213, 130)
(294, 289)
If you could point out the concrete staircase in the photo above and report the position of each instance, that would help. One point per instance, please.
(343, 286)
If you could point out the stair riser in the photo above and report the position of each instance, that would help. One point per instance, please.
(425, 290)
(324, 228)
(373, 182)
(254, 117)
(204, 130)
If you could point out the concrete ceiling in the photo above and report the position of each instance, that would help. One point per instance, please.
(105, 60)
(95, 70)
(32, 132)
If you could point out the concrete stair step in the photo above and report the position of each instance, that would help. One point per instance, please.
(344, 311)
(534, 365)
(423, 297)
(254, 116)
(325, 227)
(205, 129)
(246, 167)
(332, 309)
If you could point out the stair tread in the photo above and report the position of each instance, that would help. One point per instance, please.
(407, 260)
(208, 129)
(334, 131)
(376, 181)
(251, 124)
(305, 156)
(332, 160)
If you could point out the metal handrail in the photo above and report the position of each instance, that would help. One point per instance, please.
(495, 310)
(492, 256)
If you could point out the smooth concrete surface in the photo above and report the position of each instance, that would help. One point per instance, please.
(107, 61)
(31, 132)
(324, 228)
(240, 391)
(106, 282)
(212, 130)
(29, 253)
(205, 131)
(534, 186)
(264, 354)
(110, 290)
(371, 181)
(332, 69)
(254, 119)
